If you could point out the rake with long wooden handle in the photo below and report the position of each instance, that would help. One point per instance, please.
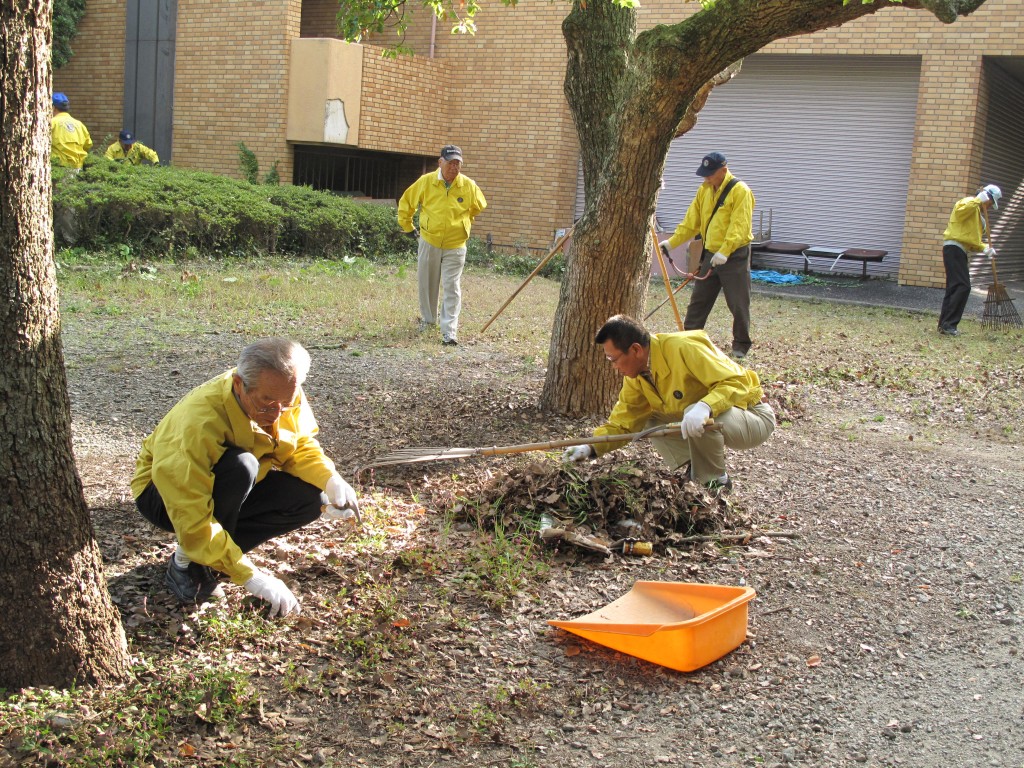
(416, 455)
(660, 256)
(999, 309)
(554, 249)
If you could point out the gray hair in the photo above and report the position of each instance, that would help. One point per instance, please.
(287, 357)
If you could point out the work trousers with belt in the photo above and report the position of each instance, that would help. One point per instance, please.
(740, 430)
(249, 512)
(733, 278)
(958, 286)
(440, 268)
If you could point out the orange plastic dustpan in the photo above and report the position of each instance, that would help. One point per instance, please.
(676, 624)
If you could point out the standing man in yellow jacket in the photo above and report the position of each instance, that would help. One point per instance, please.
(722, 214)
(70, 141)
(447, 203)
(127, 148)
(233, 464)
(966, 233)
(670, 377)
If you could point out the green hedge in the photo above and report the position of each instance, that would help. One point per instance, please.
(161, 210)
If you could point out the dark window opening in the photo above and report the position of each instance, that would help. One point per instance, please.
(377, 175)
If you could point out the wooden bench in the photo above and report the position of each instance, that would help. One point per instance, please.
(863, 255)
(771, 248)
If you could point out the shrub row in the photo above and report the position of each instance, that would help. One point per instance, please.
(162, 210)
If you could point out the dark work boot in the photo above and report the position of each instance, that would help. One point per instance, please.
(193, 584)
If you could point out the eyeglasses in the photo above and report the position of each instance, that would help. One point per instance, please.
(615, 359)
(276, 408)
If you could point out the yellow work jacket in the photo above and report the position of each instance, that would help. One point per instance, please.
(446, 213)
(968, 225)
(70, 141)
(179, 456)
(686, 367)
(731, 227)
(136, 153)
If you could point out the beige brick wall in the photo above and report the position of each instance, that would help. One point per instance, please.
(231, 76)
(94, 78)
(401, 102)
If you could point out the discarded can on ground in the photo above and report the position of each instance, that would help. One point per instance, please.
(637, 547)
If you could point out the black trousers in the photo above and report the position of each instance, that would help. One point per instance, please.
(249, 512)
(958, 286)
(733, 278)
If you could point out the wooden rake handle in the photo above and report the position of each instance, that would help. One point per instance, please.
(661, 431)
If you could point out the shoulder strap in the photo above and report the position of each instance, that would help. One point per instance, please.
(721, 201)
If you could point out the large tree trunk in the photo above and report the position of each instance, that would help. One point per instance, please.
(59, 626)
(630, 95)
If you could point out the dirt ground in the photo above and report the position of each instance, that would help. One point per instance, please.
(885, 632)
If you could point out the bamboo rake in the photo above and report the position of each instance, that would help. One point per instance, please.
(416, 455)
(554, 249)
(999, 309)
(664, 273)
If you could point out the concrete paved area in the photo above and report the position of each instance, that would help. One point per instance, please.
(842, 289)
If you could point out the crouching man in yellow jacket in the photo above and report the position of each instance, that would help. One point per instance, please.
(684, 377)
(233, 464)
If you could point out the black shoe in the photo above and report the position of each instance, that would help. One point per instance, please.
(194, 584)
(948, 331)
(719, 485)
(450, 341)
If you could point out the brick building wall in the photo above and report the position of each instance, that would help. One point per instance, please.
(400, 96)
(231, 80)
(94, 78)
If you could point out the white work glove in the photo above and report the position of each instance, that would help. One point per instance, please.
(719, 259)
(273, 590)
(577, 453)
(664, 245)
(340, 494)
(694, 417)
(990, 252)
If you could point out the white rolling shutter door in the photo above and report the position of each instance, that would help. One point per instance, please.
(1003, 165)
(825, 142)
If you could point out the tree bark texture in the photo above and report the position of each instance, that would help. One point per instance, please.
(60, 626)
(629, 96)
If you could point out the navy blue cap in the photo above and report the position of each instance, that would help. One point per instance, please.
(126, 137)
(451, 152)
(711, 163)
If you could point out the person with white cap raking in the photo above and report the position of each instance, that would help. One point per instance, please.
(967, 233)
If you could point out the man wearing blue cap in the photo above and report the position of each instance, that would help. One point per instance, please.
(70, 141)
(722, 214)
(127, 148)
(447, 203)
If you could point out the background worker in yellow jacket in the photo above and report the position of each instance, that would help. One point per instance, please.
(70, 141)
(684, 377)
(127, 148)
(966, 233)
(233, 464)
(447, 203)
(726, 232)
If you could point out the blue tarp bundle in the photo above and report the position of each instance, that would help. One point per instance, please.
(771, 276)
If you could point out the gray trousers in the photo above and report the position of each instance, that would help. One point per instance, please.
(741, 430)
(733, 278)
(440, 268)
